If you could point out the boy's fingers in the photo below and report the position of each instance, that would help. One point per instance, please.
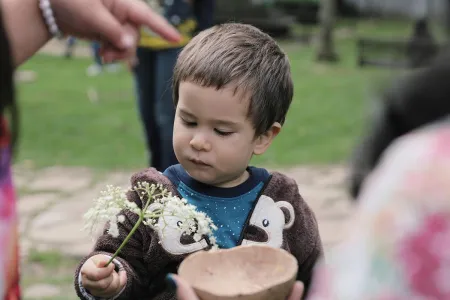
(101, 287)
(101, 263)
(90, 285)
(114, 286)
(122, 278)
(98, 258)
(96, 270)
(97, 273)
(119, 281)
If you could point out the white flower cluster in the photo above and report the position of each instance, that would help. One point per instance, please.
(158, 205)
(107, 208)
(190, 221)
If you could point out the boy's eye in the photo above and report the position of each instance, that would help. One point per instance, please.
(223, 133)
(189, 124)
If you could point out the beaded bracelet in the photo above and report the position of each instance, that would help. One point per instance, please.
(49, 18)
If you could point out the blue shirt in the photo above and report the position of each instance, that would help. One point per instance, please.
(228, 208)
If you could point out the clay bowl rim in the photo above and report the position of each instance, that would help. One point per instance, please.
(280, 280)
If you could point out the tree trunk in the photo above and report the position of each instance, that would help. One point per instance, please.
(327, 16)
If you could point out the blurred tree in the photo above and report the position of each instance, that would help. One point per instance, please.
(327, 18)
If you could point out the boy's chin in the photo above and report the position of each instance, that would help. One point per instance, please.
(210, 176)
(201, 175)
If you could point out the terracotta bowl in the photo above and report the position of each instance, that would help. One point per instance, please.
(250, 272)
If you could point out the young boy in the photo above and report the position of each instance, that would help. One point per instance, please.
(232, 89)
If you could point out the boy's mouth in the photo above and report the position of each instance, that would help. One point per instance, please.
(199, 162)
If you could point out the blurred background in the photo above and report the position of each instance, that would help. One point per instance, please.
(80, 128)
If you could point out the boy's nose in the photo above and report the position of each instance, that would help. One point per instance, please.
(200, 143)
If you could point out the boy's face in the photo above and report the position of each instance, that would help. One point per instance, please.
(213, 138)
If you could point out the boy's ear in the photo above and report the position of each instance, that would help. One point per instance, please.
(263, 141)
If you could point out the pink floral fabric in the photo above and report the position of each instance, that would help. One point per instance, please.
(399, 245)
(9, 255)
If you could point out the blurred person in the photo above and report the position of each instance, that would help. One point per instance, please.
(70, 45)
(397, 246)
(422, 47)
(409, 102)
(153, 70)
(23, 31)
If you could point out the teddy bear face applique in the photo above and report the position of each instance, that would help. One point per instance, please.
(268, 221)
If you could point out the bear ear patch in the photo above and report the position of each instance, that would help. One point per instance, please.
(287, 214)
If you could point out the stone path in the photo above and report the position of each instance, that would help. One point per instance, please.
(52, 202)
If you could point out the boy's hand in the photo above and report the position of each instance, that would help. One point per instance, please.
(99, 280)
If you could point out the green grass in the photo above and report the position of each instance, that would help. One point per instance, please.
(60, 126)
(51, 268)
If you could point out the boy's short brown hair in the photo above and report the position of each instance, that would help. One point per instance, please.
(245, 57)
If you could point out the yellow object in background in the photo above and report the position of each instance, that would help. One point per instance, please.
(154, 41)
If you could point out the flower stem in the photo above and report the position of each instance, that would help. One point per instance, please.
(135, 227)
(125, 241)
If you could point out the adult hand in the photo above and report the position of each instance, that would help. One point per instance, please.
(114, 23)
(185, 292)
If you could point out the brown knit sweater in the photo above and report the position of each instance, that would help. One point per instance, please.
(292, 226)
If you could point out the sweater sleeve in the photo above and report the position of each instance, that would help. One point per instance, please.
(306, 268)
(139, 253)
(302, 238)
(130, 258)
